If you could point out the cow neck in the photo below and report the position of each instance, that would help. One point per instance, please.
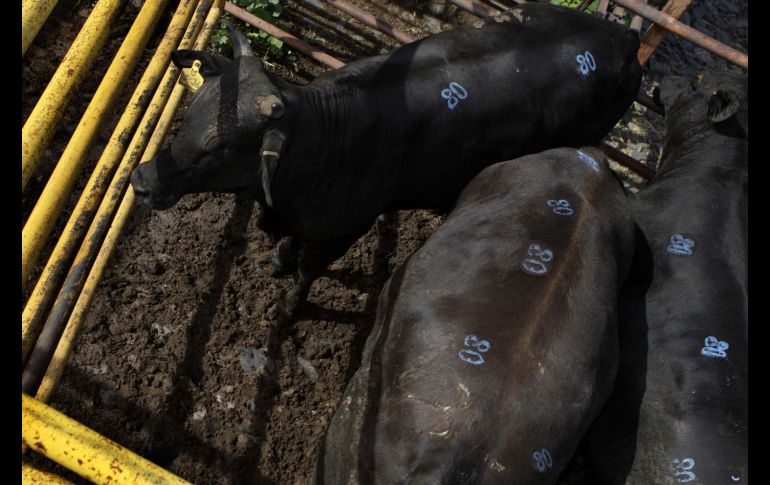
(702, 151)
(314, 127)
(320, 114)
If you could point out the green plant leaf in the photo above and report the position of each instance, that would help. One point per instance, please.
(278, 43)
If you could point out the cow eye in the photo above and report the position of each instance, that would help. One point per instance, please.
(277, 110)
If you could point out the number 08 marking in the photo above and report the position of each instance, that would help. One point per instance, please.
(561, 207)
(454, 94)
(537, 265)
(472, 356)
(682, 469)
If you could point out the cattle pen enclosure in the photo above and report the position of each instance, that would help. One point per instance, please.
(171, 350)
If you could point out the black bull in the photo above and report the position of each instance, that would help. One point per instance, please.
(400, 131)
(495, 344)
(679, 411)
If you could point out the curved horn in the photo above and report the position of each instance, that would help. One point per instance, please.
(241, 46)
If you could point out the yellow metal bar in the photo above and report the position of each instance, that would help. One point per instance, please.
(33, 15)
(48, 284)
(83, 450)
(57, 319)
(74, 325)
(54, 196)
(41, 124)
(31, 475)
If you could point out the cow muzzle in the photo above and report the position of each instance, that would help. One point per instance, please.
(153, 198)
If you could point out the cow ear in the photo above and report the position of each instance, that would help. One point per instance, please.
(272, 145)
(211, 64)
(722, 105)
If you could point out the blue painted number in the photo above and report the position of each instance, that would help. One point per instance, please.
(682, 469)
(715, 348)
(680, 245)
(474, 356)
(586, 62)
(537, 264)
(542, 460)
(454, 94)
(561, 207)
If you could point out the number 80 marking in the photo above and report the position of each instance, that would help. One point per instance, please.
(586, 63)
(454, 94)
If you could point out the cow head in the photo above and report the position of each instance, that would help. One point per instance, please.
(229, 140)
(708, 101)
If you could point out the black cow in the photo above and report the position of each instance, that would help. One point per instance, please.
(679, 412)
(495, 344)
(399, 131)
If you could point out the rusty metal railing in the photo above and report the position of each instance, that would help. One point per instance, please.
(685, 31)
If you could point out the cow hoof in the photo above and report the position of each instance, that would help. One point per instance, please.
(281, 264)
(275, 269)
(282, 317)
(286, 308)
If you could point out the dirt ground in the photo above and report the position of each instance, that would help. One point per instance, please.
(178, 360)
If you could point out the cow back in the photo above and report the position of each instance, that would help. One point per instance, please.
(679, 412)
(411, 128)
(495, 344)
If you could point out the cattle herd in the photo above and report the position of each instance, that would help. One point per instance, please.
(550, 313)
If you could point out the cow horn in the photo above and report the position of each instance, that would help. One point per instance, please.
(241, 46)
(272, 145)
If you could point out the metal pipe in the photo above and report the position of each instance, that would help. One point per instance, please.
(83, 450)
(371, 20)
(31, 475)
(502, 6)
(674, 26)
(649, 103)
(408, 16)
(33, 15)
(627, 161)
(655, 33)
(475, 8)
(286, 37)
(55, 195)
(335, 30)
(48, 283)
(335, 23)
(41, 123)
(74, 325)
(54, 326)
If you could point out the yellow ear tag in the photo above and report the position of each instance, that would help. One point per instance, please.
(191, 78)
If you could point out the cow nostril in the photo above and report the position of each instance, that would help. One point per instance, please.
(137, 183)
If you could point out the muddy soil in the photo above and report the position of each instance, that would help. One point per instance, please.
(179, 360)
